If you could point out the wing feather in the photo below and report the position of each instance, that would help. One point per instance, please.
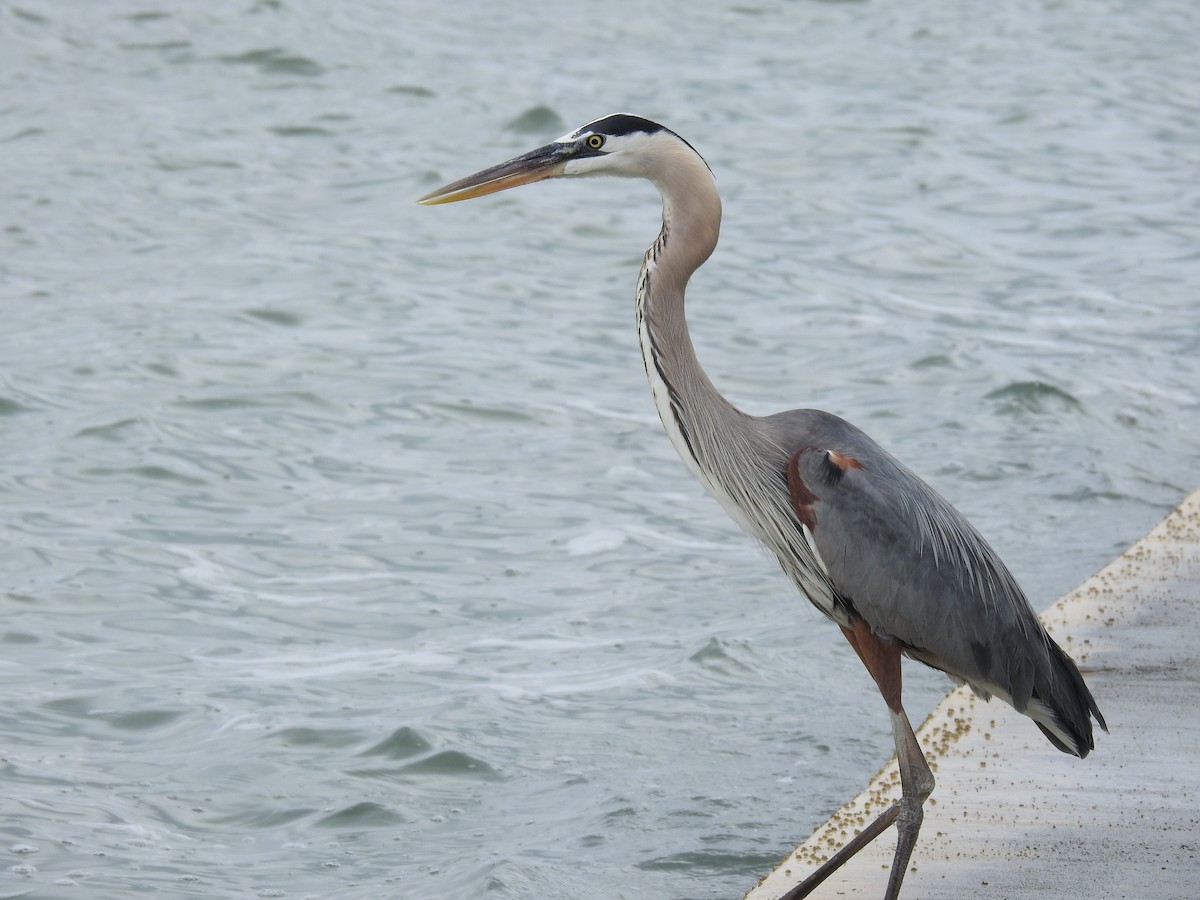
(916, 570)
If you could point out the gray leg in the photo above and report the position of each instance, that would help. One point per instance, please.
(916, 780)
(852, 846)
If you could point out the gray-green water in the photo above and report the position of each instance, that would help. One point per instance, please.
(342, 553)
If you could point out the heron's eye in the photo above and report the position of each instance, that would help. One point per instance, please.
(595, 141)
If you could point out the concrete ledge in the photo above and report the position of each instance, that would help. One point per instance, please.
(1011, 817)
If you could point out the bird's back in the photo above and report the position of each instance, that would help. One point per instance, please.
(907, 562)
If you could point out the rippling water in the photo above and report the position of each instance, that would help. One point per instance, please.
(342, 553)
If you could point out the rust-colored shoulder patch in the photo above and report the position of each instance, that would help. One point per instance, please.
(802, 498)
(843, 462)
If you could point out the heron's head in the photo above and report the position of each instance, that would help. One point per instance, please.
(614, 145)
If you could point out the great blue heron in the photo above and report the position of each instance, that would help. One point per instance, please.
(868, 542)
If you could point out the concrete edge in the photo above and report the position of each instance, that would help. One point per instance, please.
(1084, 621)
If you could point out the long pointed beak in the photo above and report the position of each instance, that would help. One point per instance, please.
(544, 162)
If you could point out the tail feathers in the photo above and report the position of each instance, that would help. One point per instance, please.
(1063, 707)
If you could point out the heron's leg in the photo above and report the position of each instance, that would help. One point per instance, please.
(881, 656)
(852, 846)
(916, 781)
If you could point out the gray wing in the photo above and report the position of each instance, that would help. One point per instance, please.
(907, 562)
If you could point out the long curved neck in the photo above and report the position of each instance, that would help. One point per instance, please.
(737, 457)
(697, 417)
